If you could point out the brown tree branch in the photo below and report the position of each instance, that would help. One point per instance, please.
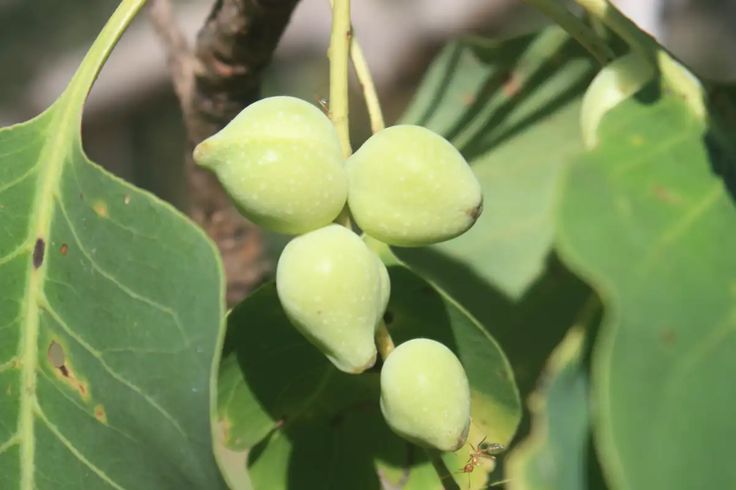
(234, 46)
(214, 83)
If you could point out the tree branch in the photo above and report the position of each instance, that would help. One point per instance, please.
(234, 46)
(214, 83)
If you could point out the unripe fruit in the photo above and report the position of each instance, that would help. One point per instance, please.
(425, 396)
(331, 287)
(408, 186)
(280, 161)
(618, 81)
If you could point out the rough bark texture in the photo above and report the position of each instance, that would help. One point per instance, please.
(221, 77)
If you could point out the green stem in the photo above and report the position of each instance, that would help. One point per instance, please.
(384, 342)
(446, 478)
(577, 29)
(369, 88)
(339, 54)
(365, 79)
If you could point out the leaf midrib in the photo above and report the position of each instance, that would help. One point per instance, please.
(64, 127)
(50, 164)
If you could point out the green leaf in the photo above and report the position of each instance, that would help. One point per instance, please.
(306, 422)
(554, 454)
(110, 315)
(512, 109)
(646, 219)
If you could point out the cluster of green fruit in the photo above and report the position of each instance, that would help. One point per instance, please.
(281, 162)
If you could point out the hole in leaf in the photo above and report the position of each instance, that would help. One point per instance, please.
(57, 357)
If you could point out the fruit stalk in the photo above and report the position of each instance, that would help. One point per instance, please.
(338, 54)
(369, 89)
(574, 26)
(365, 79)
(384, 342)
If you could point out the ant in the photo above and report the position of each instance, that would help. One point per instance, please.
(324, 104)
(487, 450)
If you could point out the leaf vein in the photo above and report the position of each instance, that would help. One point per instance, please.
(56, 432)
(646, 157)
(14, 440)
(12, 362)
(132, 294)
(23, 247)
(19, 179)
(82, 408)
(96, 354)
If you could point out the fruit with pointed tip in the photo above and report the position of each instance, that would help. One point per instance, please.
(334, 290)
(280, 161)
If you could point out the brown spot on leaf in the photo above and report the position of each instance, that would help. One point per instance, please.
(668, 337)
(64, 249)
(57, 357)
(511, 86)
(38, 253)
(468, 100)
(126, 199)
(100, 414)
(666, 195)
(100, 208)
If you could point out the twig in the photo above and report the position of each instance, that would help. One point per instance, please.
(365, 79)
(339, 54)
(366, 83)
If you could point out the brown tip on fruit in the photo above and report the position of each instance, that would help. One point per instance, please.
(463, 437)
(475, 212)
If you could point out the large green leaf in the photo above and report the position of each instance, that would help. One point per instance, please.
(110, 315)
(311, 426)
(648, 221)
(553, 456)
(512, 109)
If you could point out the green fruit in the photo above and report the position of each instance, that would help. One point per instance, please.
(425, 396)
(408, 186)
(280, 161)
(615, 83)
(331, 286)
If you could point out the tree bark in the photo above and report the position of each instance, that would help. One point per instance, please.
(214, 83)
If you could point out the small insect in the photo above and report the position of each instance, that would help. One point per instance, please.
(324, 104)
(486, 450)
